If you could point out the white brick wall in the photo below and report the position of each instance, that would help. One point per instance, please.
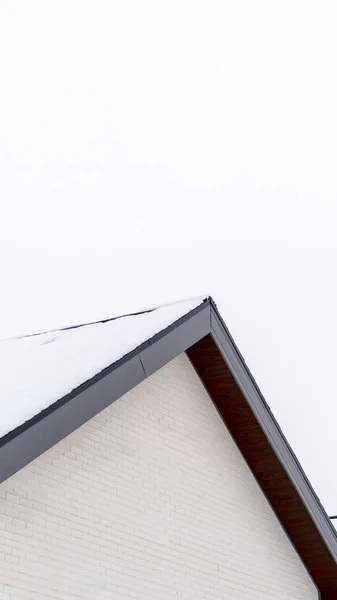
(151, 500)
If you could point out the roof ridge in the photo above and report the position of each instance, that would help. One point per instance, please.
(107, 320)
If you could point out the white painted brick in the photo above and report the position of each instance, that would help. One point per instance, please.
(149, 500)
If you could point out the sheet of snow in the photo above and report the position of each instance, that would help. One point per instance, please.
(38, 370)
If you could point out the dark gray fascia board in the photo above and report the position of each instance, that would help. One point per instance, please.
(30, 440)
(272, 430)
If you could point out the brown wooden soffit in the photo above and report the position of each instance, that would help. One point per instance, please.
(264, 463)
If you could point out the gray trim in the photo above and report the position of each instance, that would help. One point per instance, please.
(175, 342)
(29, 441)
(269, 425)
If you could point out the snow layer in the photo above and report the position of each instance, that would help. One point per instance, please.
(36, 371)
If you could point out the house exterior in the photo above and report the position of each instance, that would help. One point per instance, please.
(148, 465)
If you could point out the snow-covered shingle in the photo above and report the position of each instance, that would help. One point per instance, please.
(38, 370)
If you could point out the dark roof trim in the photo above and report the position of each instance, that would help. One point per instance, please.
(30, 440)
(272, 430)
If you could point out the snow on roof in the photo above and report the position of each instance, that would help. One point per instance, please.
(38, 370)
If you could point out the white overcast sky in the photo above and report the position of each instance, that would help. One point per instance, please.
(151, 151)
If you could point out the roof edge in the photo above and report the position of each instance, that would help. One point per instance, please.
(250, 389)
(29, 440)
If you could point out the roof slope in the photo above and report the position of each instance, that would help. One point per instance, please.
(104, 372)
(37, 370)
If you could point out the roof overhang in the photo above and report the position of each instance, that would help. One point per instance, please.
(212, 351)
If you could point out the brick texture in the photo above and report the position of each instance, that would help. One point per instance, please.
(149, 500)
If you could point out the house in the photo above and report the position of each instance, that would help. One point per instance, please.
(139, 461)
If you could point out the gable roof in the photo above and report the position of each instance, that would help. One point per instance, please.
(120, 363)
